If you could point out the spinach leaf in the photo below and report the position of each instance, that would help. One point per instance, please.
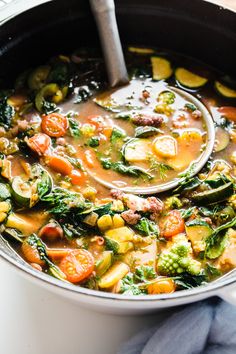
(188, 182)
(93, 141)
(62, 202)
(117, 134)
(188, 281)
(74, 128)
(48, 107)
(59, 74)
(147, 227)
(6, 112)
(123, 169)
(211, 271)
(216, 242)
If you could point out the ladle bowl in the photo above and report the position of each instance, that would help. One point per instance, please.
(193, 168)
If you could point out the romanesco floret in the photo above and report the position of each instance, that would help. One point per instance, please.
(178, 259)
(173, 203)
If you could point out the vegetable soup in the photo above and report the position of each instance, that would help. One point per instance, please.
(62, 130)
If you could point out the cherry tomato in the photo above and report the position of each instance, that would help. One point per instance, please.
(228, 112)
(161, 286)
(172, 224)
(39, 143)
(77, 177)
(77, 265)
(54, 125)
(59, 164)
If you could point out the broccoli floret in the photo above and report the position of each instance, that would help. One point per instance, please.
(173, 203)
(178, 259)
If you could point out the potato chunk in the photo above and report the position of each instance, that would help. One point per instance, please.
(165, 146)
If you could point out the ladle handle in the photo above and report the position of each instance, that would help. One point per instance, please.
(104, 13)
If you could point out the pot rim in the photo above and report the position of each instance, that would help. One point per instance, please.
(182, 294)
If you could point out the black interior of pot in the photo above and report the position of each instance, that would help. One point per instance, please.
(195, 28)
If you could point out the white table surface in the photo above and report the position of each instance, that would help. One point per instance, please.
(35, 321)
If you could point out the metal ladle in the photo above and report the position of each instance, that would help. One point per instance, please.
(104, 13)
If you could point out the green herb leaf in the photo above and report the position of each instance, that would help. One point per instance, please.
(74, 128)
(147, 227)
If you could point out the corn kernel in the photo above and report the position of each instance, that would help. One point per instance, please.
(5, 207)
(118, 221)
(105, 222)
(2, 216)
(90, 193)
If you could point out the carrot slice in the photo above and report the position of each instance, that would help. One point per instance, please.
(228, 112)
(59, 164)
(77, 177)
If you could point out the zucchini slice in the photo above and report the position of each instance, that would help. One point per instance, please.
(137, 150)
(214, 195)
(26, 193)
(21, 191)
(161, 68)
(138, 50)
(197, 231)
(104, 263)
(222, 139)
(38, 77)
(114, 274)
(188, 79)
(145, 132)
(224, 90)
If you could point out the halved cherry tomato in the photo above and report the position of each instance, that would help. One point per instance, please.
(90, 158)
(97, 121)
(77, 177)
(59, 164)
(77, 265)
(54, 125)
(172, 224)
(39, 143)
(161, 286)
(228, 112)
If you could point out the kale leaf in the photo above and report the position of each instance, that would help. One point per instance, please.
(147, 227)
(6, 112)
(123, 169)
(188, 281)
(74, 128)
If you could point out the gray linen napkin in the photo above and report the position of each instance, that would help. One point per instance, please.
(207, 327)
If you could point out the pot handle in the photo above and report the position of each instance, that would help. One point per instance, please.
(228, 294)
